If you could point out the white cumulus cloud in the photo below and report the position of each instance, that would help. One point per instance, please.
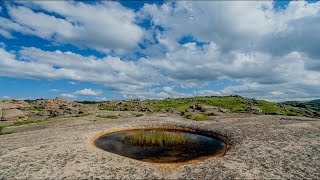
(272, 53)
(103, 26)
(69, 96)
(88, 92)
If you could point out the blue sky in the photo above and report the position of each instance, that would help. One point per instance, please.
(106, 50)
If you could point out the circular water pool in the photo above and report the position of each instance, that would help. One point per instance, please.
(161, 145)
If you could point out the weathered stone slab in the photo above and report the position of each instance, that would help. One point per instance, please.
(13, 115)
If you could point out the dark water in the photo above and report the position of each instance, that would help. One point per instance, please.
(196, 146)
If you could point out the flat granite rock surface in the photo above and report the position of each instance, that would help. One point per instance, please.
(262, 147)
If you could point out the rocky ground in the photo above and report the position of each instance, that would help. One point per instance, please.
(264, 146)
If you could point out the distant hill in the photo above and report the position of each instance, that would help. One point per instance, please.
(234, 104)
(313, 105)
(317, 101)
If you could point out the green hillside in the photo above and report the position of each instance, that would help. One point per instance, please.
(313, 105)
(235, 104)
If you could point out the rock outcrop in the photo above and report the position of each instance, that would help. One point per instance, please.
(127, 105)
(10, 110)
(208, 110)
(19, 110)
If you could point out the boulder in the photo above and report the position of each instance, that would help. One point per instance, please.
(45, 113)
(13, 110)
(13, 104)
(13, 115)
(224, 110)
(10, 110)
(204, 108)
(255, 110)
(207, 108)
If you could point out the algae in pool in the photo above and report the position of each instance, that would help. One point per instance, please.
(160, 146)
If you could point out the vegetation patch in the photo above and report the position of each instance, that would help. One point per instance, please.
(234, 104)
(4, 133)
(107, 116)
(33, 108)
(313, 105)
(26, 122)
(195, 116)
(155, 138)
(20, 123)
(36, 108)
(107, 107)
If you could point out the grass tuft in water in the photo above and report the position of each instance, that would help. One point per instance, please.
(155, 138)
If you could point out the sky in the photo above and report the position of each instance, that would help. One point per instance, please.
(105, 50)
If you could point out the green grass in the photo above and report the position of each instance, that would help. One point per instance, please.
(313, 105)
(36, 108)
(107, 116)
(235, 104)
(26, 122)
(20, 123)
(107, 107)
(196, 116)
(4, 133)
(176, 104)
(155, 138)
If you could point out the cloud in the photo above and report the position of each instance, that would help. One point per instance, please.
(155, 93)
(103, 26)
(73, 83)
(101, 98)
(88, 92)
(82, 92)
(5, 34)
(246, 26)
(110, 71)
(198, 65)
(273, 54)
(278, 93)
(5, 97)
(69, 96)
(167, 89)
(268, 50)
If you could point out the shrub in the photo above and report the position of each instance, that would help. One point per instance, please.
(196, 116)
